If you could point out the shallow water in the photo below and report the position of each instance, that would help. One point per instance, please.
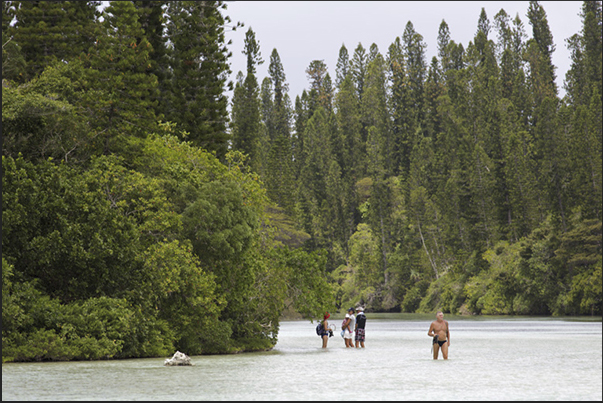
(489, 359)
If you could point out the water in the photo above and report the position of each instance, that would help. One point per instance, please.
(489, 359)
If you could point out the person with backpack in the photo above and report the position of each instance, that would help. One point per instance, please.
(360, 325)
(322, 329)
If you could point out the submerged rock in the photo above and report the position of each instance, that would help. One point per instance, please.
(178, 359)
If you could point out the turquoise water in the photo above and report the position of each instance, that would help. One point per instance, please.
(489, 359)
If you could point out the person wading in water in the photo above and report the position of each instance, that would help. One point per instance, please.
(440, 332)
(325, 332)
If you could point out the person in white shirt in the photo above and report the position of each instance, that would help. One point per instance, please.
(349, 324)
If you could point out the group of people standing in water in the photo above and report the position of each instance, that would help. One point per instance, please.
(353, 330)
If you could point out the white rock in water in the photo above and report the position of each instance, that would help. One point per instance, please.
(178, 359)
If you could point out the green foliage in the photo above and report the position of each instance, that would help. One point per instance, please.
(493, 292)
(39, 126)
(466, 185)
(39, 328)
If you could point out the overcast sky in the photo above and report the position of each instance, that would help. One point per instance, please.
(302, 31)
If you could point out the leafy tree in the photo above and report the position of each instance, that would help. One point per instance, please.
(39, 126)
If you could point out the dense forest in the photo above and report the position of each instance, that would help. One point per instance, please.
(142, 212)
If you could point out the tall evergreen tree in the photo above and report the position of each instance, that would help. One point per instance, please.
(302, 114)
(153, 22)
(352, 155)
(120, 67)
(53, 30)
(583, 86)
(200, 70)
(414, 52)
(245, 116)
(279, 170)
(443, 42)
(434, 88)
(540, 53)
(312, 193)
(359, 64)
(317, 72)
(343, 66)
(550, 150)
(584, 75)
(400, 110)
(379, 153)
(486, 173)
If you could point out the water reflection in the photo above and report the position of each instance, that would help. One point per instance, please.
(511, 359)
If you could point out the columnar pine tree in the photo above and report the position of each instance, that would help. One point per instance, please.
(343, 66)
(583, 86)
(399, 105)
(551, 150)
(318, 97)
(484, 133)
(52, 30)
(379, 144)
(414, 53)
(302, 114)
(120, 64)
(199, 61)
(245, 116)
(153, 22)
(279, 170)
(358, 67)
(353, 151)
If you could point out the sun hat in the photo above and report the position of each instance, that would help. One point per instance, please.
(359, 308)
(351, 309)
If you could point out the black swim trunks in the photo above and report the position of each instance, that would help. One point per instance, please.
(441, 343)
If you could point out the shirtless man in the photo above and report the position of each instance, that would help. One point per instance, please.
(441, 336)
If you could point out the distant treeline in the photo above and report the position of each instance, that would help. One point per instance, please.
(138, 217)
(463, 183)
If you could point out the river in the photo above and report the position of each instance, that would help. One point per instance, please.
(490, 359)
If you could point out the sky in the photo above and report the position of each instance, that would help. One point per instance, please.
(302, 31)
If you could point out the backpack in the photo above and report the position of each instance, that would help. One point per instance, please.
(361, 320)
(320, 329)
